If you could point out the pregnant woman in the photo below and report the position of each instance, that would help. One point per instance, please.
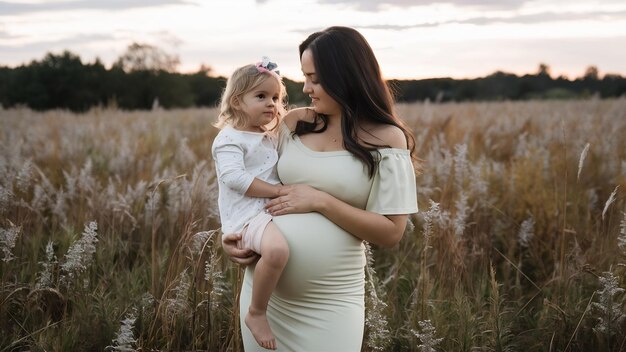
(347, 166)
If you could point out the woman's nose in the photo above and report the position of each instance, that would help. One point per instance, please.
(306, 89)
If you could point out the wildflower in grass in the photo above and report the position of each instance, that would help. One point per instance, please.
(198, 241)
(378, 335)
(25, 176)
(184, 155)
(123, 156)
(5, 198)
(460, 217)
(179, 197)
(526, 232)
(152, 205)
(444, 219)
(80, 254)
(583, 155)
(110, 196)
(609, 308)
(201, 178)
(133, 194)
(443, 165)
(123, 203)
(216, 279)
(70, 185)
(125, 340)
(212, 209)
(432, 214)
(179, 305)
(42, 195)
(40, 198)
(609, 201)
(621, 238)
(410, 226)
(86, 182)
(45, 278)
(427, 336)
(8, 237)
(478, 186)
(147, 300)
(59, 209)
(460, 164)
(146, 308)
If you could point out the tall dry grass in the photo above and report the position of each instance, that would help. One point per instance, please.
(108, 241)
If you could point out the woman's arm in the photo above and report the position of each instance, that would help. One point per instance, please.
(295, 115)
(382, 230)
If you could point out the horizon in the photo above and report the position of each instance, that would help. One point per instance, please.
(211, 72)
(413, 40)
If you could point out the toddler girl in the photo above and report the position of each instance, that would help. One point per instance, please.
(245, 158)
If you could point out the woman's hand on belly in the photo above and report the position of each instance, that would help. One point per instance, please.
(295, 199)
(237, 255)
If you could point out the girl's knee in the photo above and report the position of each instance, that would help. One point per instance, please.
(278, 254)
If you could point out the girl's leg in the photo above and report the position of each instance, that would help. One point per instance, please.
(274, 255)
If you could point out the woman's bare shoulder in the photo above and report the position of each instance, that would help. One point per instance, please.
(382, 134)
(299, 114)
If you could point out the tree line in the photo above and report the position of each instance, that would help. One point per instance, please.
(507, 86)
(145, 76)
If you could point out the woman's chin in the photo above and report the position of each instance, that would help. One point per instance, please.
(316, 108)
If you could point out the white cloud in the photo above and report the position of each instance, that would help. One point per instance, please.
(543, 17)
(8, 8)
(372, 5)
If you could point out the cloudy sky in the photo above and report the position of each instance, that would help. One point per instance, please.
(412, 39)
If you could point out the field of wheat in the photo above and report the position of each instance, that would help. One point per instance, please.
(109, 241)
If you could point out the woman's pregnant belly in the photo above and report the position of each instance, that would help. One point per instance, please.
(323, 259)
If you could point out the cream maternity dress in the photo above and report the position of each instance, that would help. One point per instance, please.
(318, 304)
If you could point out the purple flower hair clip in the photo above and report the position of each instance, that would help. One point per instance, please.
(267, 66)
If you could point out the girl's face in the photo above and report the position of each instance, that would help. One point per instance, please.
(321, 101)
(260, 105)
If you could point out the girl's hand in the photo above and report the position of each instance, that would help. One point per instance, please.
(237, 255)
(294, 199)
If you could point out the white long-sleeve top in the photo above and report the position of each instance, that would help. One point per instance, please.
(239, 157)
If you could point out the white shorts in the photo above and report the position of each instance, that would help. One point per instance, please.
(253, 232)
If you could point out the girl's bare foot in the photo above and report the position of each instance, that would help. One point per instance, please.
(260, 328)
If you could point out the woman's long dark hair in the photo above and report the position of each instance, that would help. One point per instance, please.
(347, 69)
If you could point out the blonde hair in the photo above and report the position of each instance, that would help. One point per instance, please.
(242, 81)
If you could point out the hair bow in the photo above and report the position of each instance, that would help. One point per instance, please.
(267, 66)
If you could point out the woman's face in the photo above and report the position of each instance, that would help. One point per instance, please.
(321, 101)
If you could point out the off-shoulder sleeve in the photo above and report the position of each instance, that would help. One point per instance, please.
(393, 188)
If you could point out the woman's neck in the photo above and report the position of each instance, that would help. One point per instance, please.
(333, 122)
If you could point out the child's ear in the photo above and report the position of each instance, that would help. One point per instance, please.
(235, 102)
